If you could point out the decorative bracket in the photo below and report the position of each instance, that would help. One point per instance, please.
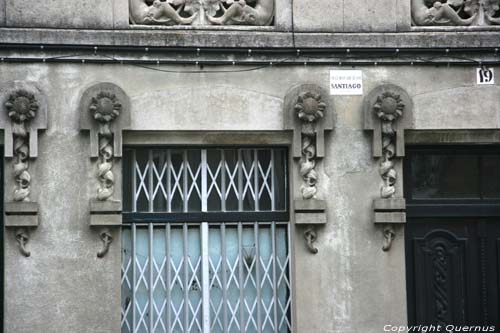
(25, 113)
(388, 112)
(308, 115)
(105, 112)
(106, 238)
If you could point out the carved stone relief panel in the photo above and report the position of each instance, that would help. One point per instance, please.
(387, 113)
(455, 12)
(309, 115)
(202, 12)
(24, 114)
(104, 112)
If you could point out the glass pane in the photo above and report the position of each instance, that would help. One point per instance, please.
(248, 264)
(141, 180)
(193, 184)
(176, 180)
(128, 167)
(265, 179)
(490, 176)
(445, 176)
(248, 178)
(159, 182)
(214, 180)
(231, 179)
(127, 280)
(280, 176)
(173, 180)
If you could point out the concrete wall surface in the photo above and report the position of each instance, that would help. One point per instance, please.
(351, 285)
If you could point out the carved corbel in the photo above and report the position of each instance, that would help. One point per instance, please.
(309, 115)
(105, 112)
(24, 114)
(387, 113)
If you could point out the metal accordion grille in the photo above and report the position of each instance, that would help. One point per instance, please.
(206, 241)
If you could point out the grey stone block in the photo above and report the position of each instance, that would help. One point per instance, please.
(389, 204)
(103, 220)
(21, 214)
(283, 15)
(94, 14)
(318, 15)
(106, 206)
(301, 205)
(390, 217)
(357, 16)
(403, 16)
(120, 14)
(21, 220)
(20, 208)
(310, 218)
(2, 13)
(383, 15)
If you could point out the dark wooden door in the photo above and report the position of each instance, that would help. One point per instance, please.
(453, 235)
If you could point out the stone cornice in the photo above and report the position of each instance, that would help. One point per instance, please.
(249, 39)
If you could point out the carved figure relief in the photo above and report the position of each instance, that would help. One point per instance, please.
(388, 108)
(162, 12)
(310, 108)
(243, 12)
(105, 108)
(308, 114)
(455, 12)
(202, 12)
(387, 113)
(25, 114)
(21, 107)
(105, 112)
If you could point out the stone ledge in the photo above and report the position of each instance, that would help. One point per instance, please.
(248, 39)
(21, 214)
(310, 218)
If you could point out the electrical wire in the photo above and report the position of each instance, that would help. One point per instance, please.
(345, 58)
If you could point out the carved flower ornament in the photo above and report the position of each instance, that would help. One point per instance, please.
(310, 107)
(389, 106)
(21, 106)
(105, 107)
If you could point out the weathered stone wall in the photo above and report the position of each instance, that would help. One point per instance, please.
(352, 285)
(309, 15)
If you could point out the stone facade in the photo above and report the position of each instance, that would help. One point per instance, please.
(352, 285)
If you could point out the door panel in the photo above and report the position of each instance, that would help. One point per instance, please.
(442, 257)
(452, 235)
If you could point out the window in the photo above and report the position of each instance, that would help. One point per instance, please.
(452, 180)
(206, 243)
